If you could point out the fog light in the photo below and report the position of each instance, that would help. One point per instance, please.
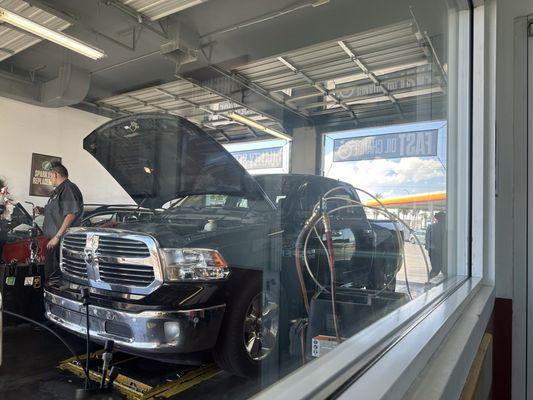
(172, 331)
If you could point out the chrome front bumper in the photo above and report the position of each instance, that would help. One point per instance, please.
(146, 332)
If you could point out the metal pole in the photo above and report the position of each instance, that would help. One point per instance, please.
(88, 345)
(85, 299)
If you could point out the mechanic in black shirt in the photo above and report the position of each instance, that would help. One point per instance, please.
(64, 210)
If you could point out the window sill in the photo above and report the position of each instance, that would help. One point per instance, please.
(449, 366)
(436, 355)
(409, 337)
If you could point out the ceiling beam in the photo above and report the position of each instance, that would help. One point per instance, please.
(53, 10)
(135, 15)
(193, 104)
(228, 97)
(371, 76)
(221, 114)
(427, 45)
(257, 89)
(320, 87)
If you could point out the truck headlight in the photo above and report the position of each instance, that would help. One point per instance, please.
(193, 265)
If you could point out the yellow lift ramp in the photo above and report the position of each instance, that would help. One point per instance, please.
(137, 383)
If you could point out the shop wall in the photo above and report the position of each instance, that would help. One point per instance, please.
(27, 129)
(511, 203)
(508, 10)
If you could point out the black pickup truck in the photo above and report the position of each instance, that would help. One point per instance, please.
(214, 273)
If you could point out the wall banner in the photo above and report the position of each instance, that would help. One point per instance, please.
(260, 158)
(39, 179)
(393, 145)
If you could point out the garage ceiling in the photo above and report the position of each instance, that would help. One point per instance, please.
(198, 103)
(353, 77)
(13, 41)
(371, 75)
(157, 9)
(280, 63)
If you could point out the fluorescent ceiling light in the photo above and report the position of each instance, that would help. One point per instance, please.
(42, 31)
(258, 126)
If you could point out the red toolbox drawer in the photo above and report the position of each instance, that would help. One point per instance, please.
(19, 251)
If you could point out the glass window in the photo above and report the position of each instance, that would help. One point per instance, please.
(391, 221)
(265, 263)
(403, 168)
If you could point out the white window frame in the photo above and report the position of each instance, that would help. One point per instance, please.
(434, 338)
(529, 314)
(522, 361)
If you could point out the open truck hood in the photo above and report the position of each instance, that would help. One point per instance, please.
(159, 157)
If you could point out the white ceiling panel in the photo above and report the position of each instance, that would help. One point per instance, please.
(157, 9)
(381, 65)
(13, 41)
(198, 104)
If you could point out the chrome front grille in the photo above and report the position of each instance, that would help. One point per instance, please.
(115, 260)
(127, 274)
(74, 266)
(108, 246)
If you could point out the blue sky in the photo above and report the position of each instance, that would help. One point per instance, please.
(391, 177)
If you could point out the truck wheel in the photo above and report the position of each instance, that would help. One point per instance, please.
(250, 331)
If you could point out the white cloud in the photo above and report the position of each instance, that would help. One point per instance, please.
(390, 177)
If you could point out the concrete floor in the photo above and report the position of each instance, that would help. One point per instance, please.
(29, 365)
(416, 267)
(29, 371)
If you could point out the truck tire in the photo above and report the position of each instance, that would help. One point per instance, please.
(249, 336)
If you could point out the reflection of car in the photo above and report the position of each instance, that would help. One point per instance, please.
(17, 246)
(206, 273)
(420, 234)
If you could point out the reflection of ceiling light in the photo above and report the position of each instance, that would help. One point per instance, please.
(258, 126)
(44, 32)
(148, 170)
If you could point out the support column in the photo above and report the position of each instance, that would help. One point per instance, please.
(306, 151)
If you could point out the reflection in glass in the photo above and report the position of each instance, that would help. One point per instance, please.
(261, 271)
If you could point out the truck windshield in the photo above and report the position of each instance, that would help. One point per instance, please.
(207, 202)
(277, 187)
